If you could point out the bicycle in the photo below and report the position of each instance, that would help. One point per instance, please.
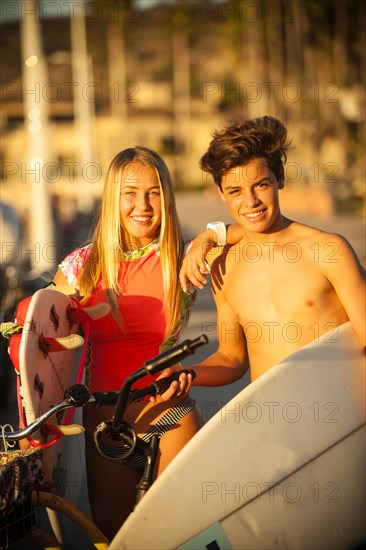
(116, 429)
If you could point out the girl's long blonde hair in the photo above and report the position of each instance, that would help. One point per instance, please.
(107, 250)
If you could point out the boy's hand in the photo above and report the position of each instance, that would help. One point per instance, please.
(176, 388)
(194, 265)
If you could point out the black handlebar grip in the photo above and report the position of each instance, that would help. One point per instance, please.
(173, 355)
(106, 398)
(77, 395)
(163, 384)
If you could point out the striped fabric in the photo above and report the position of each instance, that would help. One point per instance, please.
(165, 423)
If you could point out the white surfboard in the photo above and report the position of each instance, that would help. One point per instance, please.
(48, 367)
(282, 465)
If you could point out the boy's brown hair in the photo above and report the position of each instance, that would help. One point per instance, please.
(262, 137)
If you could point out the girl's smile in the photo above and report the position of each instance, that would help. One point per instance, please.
(140, 204)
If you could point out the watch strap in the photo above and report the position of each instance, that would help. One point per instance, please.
(220, 230)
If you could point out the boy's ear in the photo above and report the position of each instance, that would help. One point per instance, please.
(281, 179)
(221, 194)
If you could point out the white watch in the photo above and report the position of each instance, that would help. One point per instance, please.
(220, 230)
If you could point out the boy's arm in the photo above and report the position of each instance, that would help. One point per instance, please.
(202, 251)
(344, 271)
(196, 262)
(226, 365)
(229, 363)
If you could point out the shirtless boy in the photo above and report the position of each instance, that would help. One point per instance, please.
(283, 284)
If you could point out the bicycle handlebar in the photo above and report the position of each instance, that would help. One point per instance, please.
(173, 355)
(158, 363)
(158, 387)
(78, 395)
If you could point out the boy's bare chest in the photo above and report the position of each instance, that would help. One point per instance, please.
(275, 287)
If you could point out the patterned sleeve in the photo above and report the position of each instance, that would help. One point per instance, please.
(72, 264)
(188, 299)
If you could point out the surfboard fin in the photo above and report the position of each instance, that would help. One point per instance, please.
(50, 345)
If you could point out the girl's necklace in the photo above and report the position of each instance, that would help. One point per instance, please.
(139, 252)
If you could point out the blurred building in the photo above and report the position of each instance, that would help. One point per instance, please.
(167, 75)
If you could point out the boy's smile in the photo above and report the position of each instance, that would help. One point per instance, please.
(251, 194)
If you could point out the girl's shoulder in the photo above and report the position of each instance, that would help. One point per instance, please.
(72, 264)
